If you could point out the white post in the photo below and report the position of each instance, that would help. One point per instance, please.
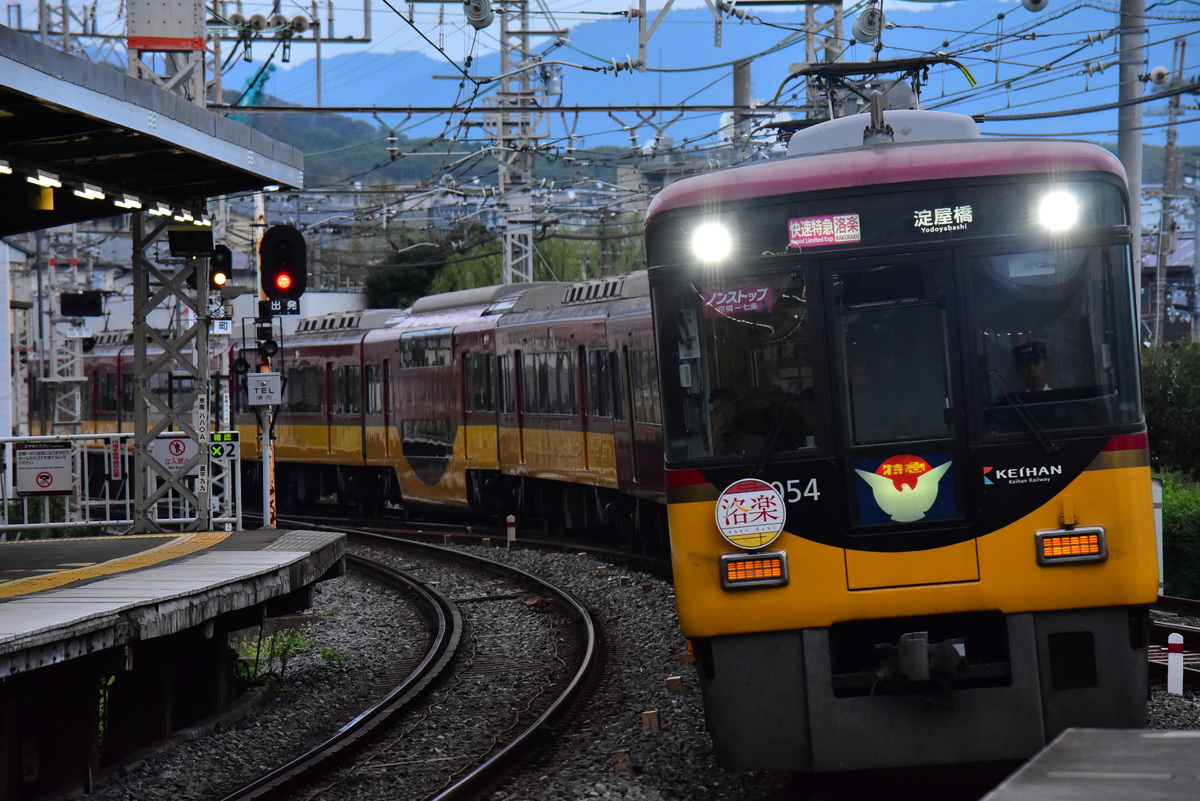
(511, 530)
(1175, 664)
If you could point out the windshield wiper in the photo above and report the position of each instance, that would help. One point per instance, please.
(778, 423)
(1018, 406)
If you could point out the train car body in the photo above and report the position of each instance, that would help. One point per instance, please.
(568, 359)
(907, 469)
(538, 400)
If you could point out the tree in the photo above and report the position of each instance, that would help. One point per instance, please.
(1171, 388)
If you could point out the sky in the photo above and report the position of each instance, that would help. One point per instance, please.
(1061, 58)
(1024, 63)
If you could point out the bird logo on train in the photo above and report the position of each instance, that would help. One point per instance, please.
(905, 487)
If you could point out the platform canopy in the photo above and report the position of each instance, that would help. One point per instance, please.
(86, 125)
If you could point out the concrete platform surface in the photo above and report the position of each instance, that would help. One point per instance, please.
(150, 589)
(1109, 765)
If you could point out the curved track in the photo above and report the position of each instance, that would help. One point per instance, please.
(445, 617)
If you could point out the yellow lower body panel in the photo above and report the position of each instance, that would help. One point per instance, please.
(997, 571)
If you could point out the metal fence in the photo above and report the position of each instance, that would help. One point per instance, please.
(83, 482)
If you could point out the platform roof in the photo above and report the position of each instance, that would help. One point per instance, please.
(88, 123)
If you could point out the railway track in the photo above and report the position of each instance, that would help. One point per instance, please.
(460, 658)
(1176, 616)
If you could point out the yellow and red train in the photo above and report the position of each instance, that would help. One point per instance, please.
(537, 400)
(907, 468)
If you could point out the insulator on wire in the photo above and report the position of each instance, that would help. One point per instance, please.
(869, 25)
(479, 13)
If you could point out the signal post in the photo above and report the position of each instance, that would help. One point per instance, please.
(283, 277)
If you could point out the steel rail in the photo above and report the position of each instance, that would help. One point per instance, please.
(473, 783)
(449, 631)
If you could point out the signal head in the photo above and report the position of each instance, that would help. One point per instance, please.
(220, 266)
(283, 263)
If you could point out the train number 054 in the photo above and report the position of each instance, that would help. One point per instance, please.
(793, 494)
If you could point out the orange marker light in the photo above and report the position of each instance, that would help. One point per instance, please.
(765, 569)
(1068, 546)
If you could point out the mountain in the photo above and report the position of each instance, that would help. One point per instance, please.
(406, 78)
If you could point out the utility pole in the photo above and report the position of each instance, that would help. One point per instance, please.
(1129, 121)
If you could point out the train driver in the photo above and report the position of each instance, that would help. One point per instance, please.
(1032, 366)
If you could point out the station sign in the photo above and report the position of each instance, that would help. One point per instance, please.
(44, 468)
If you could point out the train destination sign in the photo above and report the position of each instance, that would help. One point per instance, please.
(43, 468)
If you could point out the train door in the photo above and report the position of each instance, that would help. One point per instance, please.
(893, 338)
(330, 400)
(519, 401)
(625, 440)
(387, 408)
(581, 392)
(479, 406)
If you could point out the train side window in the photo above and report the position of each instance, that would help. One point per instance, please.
(551, 383)
(305, 391)
(507, 385)
(427, 348)
(479, 389)
(599, 389)
(618, 386)
(106, 392)
(127, 392)
(349, 390)
(160, 384)
(645, 387)
(373, 402)
(567, 371)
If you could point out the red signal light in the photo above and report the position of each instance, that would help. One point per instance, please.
(283, 263)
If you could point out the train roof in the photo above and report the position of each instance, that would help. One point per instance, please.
(914, 157)
(559, 295)
(360, 319)
(480, 296)
(906, 125)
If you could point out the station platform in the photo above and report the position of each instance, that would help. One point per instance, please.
(1109, 765)
(62, 596)
(110, 644)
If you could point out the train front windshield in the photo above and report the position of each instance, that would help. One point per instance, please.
(744, 355)
(974, 341)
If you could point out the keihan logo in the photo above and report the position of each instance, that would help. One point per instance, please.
(905, 487)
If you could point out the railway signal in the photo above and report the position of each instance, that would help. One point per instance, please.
(82, 304)
(283, 263)
(220, 267)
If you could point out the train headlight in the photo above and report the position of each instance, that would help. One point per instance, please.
(711, 242)
(1058, 211)
(1067, 546)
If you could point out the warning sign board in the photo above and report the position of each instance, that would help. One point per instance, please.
(43, 468)
(175, 452)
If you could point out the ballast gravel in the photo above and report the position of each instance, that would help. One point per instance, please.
(359, 633)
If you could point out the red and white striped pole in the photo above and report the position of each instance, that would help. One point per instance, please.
(1175, 664)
